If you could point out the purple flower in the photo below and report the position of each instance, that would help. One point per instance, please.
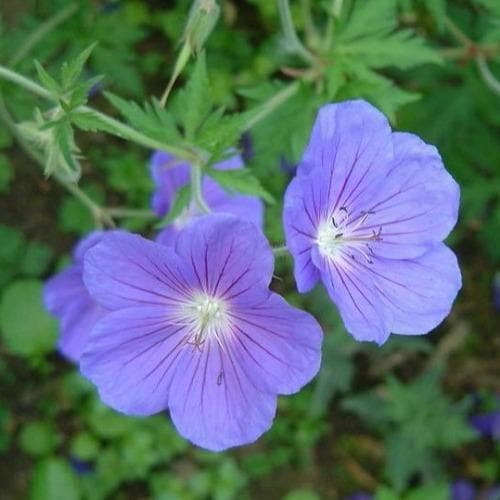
(487, 424)
(196, 330)
(170, 174)
(366, 214)
(462, 489)
(66, 297)
(496, 291)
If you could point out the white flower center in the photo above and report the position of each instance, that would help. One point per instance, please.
(208, 318)
(342, 235)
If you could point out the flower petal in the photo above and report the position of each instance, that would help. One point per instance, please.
(131, 357)
(417, 204)
(213, 403)
(278, 346)
(126, 270)
(228, 256)
(351, 141)
(352, 289)
(169, 174)
(66, 297)
(418, 292)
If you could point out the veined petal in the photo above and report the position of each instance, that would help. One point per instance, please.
(278, 346)
(169, 175)
(214, 404)
(132, 355)
(417, 204)
(351, 141)
(227, 256)
(352, 289)
(301, 217)
(66, 297)
(418, 292)
(126, 270)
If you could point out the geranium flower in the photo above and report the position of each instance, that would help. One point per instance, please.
(170, 174)
(366, 214)
(66, 297)
(196, 330)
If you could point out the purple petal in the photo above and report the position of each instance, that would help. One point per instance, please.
(132, 355)
(462, 490)
(214, 404)
(419, 293)
(278, 346)
(127, 270)
(169, 175)
(352, 142)
(353, 291)
(66, 297)
(488, 424)
(300, 221)
(229, 257)
(416, 205)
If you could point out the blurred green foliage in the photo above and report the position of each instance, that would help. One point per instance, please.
(379, 419)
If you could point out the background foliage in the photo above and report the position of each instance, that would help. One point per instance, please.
(393, 421)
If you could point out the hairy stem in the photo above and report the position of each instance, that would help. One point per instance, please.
(280, 251)
(122, 130)
(488, 77)
(270, 105)
(196, 189)
(290, 34)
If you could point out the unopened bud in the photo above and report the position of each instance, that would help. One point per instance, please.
(202, 18)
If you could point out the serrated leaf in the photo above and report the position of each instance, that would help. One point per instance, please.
(194, 102)
(46, 80)
(240, 180)
(181, 202)
(91, 121)
(401, 49)
(372, 18)
(71, 71)
(151, 120)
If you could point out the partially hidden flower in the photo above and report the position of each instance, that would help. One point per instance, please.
(487, 424)
(367, 214)
(195, 329)
(170, 175)
(66, 297)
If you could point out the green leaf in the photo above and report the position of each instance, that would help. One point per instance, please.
(371, 18)
(6, 173)
(84, 446)
(181, 202)
(53, 478)
(27, 329)
(151, 120)
(240, 180)
(46, 80)
(35, 260)
(401, 50)
(193, 103)
(38, 438)
(71, 71)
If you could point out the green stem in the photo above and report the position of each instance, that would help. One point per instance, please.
(120, 212)
(458, 33)
(99, 213)
(270, 105)
(122, 130)
(196, 189)
(281, 251)
(291, 36)
(310, 29)
(40, 33)
(180, 63)
(489, 78)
